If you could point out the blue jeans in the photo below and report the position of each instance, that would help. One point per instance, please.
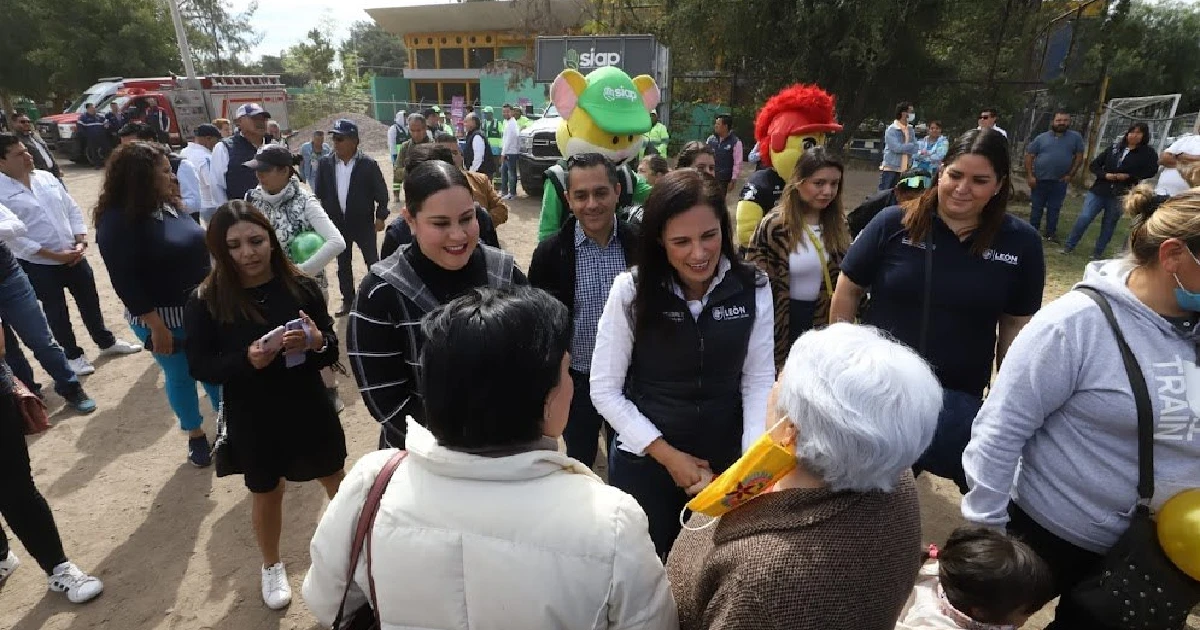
(20, 310)
(509, 175)
(180, 386)
(888, 179)
(1047, 195)
(944, 455)
(1093, 205)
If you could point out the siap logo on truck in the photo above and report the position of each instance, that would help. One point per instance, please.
(590, 60)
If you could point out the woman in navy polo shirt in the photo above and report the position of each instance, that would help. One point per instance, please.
(954, 276)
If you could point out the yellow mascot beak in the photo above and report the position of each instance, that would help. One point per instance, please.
(784, 162)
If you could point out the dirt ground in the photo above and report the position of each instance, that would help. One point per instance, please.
(173, 543)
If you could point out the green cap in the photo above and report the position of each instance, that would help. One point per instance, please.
(614, 102)
(487, 109)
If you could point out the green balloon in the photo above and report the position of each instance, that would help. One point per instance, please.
(304, 245)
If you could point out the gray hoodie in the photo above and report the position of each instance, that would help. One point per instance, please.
(1062, 409)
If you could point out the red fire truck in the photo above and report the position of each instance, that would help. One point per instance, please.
(219, 96)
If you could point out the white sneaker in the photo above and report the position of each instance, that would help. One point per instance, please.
(79, 586)
(120, 348)
(276, 592)
(81, 366)
(8, 566)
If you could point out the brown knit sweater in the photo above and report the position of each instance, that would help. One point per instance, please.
(801, 559)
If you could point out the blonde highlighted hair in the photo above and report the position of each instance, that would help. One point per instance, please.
(835, 233)
(1153, 224)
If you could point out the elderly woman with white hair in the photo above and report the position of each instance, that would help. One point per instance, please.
(835, 542)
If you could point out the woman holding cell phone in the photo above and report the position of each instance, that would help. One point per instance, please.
(261, 329)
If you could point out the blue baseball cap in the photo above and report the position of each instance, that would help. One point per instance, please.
(251, 109)
(344, 127)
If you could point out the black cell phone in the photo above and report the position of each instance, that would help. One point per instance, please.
(178, 346)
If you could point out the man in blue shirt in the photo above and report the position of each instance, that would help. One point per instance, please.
(1051, 161)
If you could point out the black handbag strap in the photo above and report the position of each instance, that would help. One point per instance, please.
(927, 304)
(1141, 396)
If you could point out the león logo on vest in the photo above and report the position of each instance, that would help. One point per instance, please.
(1011, 259)
(726, 313)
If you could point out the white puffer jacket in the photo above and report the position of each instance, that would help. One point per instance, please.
(529, 541)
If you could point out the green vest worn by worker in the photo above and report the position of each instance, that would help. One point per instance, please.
(658, 136)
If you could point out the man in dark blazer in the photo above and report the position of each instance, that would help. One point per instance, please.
(351, 188)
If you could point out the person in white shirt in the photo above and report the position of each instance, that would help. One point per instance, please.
(987, 120)
(198, 153)
(510, 154)
(52, 253)
(684, 354)
(1183, 151)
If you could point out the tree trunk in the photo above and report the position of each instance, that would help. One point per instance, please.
(7, 105)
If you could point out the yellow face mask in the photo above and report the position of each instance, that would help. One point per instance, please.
(760, 468)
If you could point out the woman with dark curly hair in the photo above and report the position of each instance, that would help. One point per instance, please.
(155, 255)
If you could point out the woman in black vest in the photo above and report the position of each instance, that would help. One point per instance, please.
(683, 362)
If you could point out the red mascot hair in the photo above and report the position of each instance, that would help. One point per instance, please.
(796, 110)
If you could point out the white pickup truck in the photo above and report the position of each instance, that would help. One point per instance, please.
(539, 151)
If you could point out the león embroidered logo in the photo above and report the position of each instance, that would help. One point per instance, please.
(1010, 259)
(725, 313)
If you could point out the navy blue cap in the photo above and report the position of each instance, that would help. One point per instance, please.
(206, 131)
(344, 127)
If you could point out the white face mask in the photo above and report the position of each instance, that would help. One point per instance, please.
(912, 116)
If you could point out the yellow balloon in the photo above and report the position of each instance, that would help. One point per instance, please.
(1179, 531)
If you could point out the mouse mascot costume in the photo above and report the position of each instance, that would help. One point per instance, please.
(608, 113)
(794, 120)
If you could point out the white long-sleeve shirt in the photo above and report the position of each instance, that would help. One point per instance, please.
(614, 351)
(11, 226)
(510, 142)
(314, 215)
(217, 165)
(478, 147)
(189, 187)
(52, 218)
(201, 159)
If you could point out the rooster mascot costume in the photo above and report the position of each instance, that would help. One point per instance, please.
(793, 121)
(606, 112)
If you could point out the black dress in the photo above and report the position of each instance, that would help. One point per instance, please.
(280, 422)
